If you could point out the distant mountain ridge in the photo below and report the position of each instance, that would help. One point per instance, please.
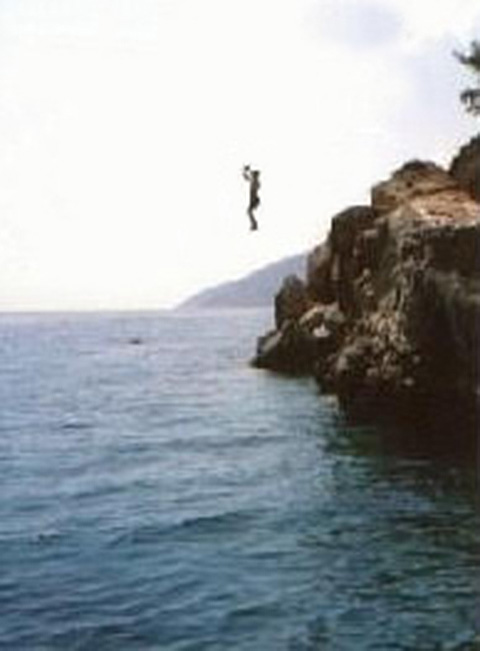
(254, 290)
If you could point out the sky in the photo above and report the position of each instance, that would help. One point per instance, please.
(124, 125)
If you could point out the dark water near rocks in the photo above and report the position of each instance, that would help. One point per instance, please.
(158, 494)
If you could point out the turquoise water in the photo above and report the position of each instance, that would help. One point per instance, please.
(159, 494)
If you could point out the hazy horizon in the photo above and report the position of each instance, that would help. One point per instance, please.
(124, 128)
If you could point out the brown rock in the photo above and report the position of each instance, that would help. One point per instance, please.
(389, 318)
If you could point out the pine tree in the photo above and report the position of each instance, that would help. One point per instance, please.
(471, 96)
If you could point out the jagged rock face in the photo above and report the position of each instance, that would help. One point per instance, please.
(289, 348)
(291, 301)
(465, 168)
(392, 317)
(414, 180)
(319, 278)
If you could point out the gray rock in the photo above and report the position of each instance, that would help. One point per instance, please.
(291, 301)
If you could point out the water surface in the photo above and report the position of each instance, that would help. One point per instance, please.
(159, 494)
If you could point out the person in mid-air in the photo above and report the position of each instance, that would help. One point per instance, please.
(253, 178)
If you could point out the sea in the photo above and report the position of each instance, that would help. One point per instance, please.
(157, 493)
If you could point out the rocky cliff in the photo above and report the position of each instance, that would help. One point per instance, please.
(388, 316)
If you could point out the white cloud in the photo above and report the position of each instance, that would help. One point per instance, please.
(358, 25)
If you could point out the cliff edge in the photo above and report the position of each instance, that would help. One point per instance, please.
(388, 316)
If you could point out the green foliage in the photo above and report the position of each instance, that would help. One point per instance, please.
(471, 59)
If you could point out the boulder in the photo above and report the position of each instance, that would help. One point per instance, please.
(287, 350)
(291, 301)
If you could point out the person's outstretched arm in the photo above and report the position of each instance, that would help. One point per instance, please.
(246, 173)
